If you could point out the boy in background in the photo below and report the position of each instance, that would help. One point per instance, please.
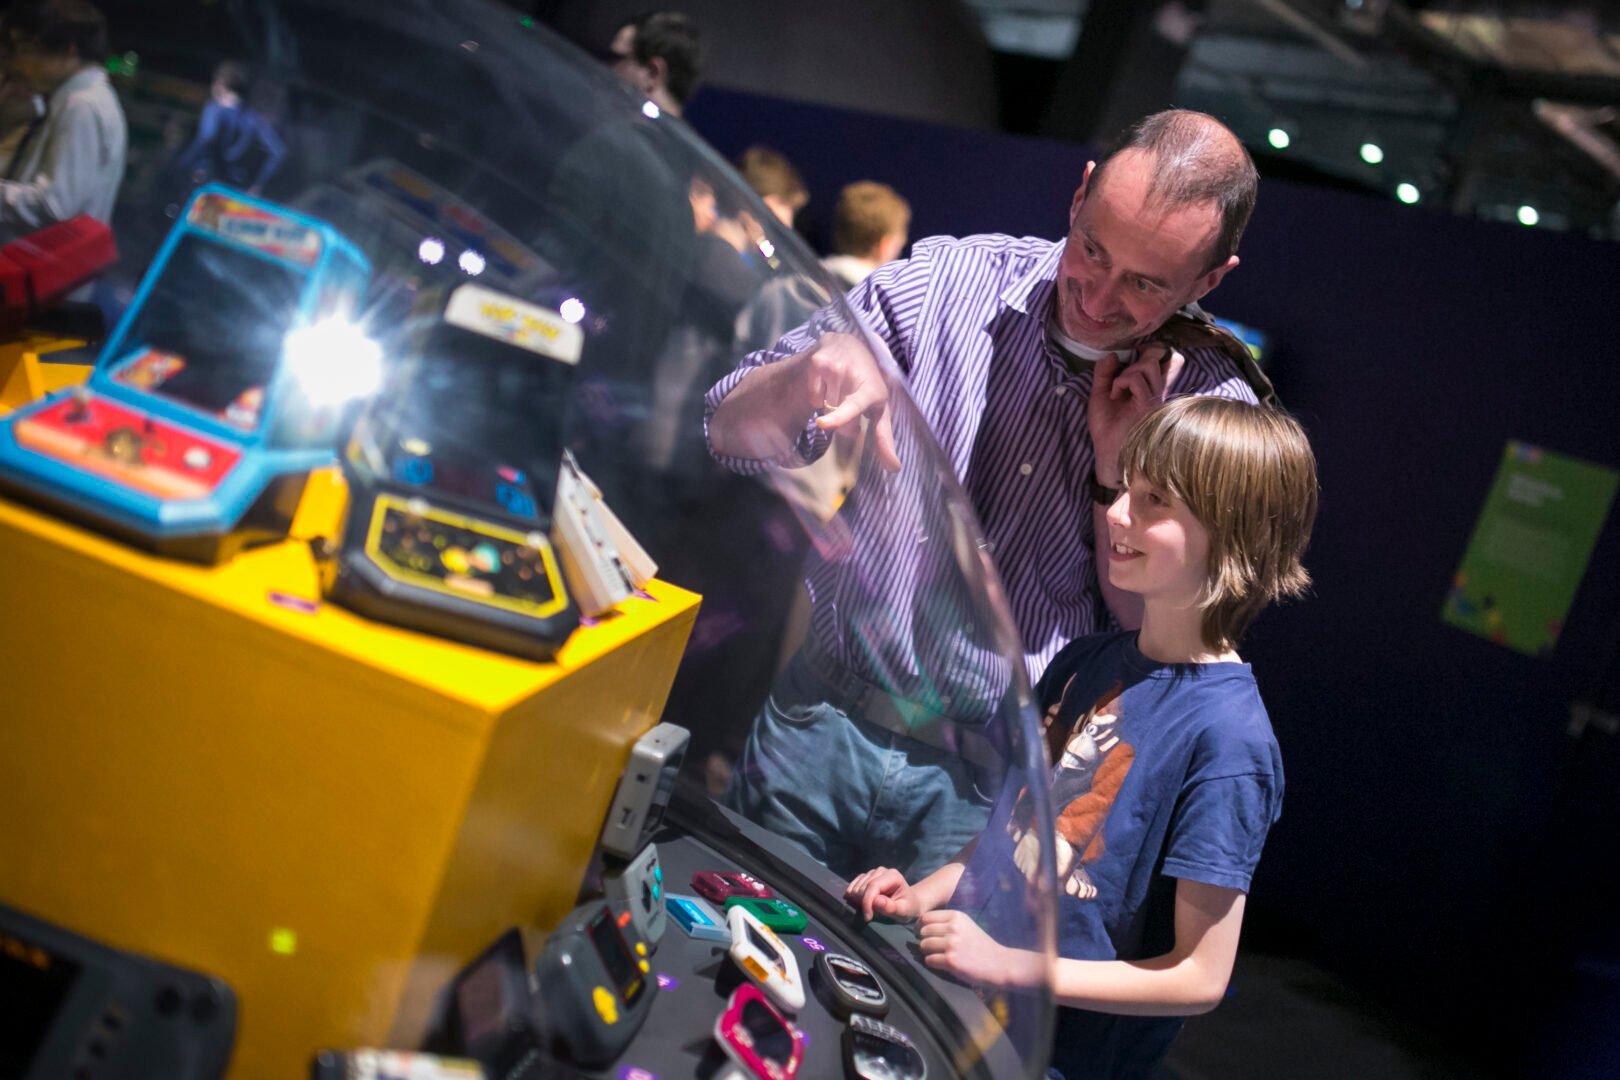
(1166, 775)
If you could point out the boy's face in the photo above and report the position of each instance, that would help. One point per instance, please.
(1157, 548)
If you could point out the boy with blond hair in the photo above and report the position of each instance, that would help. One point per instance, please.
(1166, 775)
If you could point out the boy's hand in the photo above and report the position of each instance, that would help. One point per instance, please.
(952, 942)
(883, 891)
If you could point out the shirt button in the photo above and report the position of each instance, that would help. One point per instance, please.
(1060, 390)
(1026, 468)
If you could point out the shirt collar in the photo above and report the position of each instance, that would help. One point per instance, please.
(1029, 294)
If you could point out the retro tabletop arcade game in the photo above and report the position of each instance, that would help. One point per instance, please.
(224, 383)
(452, 475)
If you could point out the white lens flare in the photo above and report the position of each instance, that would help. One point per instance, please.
(431, 250)
(572, 309)
(471, 263)
(333, 361)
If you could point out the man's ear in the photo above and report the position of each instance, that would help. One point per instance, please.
(1213, 278)
(660, 72)
(1080, 193)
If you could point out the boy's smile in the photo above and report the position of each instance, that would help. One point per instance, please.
(1158, 549)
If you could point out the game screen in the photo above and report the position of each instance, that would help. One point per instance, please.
(621, 966)
(468, 557)
(771, 1039)
(213, 328)
(855, 977)
(33, 984)
(467, 420)
(482, 1008)
(759, 942)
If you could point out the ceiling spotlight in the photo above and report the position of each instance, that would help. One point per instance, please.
(1372, 153)
(1528, 215)
(1278, 138)
(1407, 193)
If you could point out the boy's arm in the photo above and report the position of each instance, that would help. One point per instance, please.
(1191, 978)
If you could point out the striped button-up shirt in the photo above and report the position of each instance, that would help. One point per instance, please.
(965, 320)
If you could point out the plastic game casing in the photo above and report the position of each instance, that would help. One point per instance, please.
(598, 985)
(874, 1050)
(193, 436)
(775, 913)
(452, 474)
(488, 1011)
(766, 959)
(718, 886)
(849, 985)
(649, 776)
(391, 1065)
(761, 1041)
(697, 918)
(638, 887)
(71, 1003)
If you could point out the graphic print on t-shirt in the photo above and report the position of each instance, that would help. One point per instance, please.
(1086, 779)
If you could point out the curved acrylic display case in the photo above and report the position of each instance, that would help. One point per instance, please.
(532, 288)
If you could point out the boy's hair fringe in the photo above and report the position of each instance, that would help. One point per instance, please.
(1247, 473)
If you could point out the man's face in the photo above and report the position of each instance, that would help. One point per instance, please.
(624, 62)
(1127, 265)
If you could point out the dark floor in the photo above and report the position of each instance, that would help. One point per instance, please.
(1285, 1018)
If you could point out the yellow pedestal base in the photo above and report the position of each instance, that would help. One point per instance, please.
(24, 379)
(332, 815)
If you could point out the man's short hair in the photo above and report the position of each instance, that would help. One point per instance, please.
(769, 173)
(1248, 475)
(58, 25)
(867, 212)
(673, 37)
(1196, 159)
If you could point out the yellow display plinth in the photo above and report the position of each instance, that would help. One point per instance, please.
(204, 765)
(23, 378)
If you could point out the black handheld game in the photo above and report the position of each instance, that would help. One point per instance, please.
(488, 1013)
(74, 1007)
(597, 984)
(452, 474)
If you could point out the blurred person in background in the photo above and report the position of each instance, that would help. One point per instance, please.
(659, 54)
(235, 143)
(869, 229)
(68, 160)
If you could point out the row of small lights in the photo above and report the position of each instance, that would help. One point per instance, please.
(1406, 192)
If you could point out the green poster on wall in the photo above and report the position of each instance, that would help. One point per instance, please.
(1530, 548)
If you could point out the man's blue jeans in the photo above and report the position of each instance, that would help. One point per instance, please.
(850, 793)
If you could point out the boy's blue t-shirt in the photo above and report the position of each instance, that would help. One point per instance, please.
(1160, 772)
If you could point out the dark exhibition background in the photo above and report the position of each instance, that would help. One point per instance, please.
(1447, 850)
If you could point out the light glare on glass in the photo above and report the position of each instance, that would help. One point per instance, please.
(430, 250)
(649, 110)
(333, 361)
(1278, 138)
(1372, 153)
(471, 263)
(1407, 193)
(572, 309)
(1528, 215)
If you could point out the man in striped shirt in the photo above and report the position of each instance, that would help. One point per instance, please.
(1028, 360)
